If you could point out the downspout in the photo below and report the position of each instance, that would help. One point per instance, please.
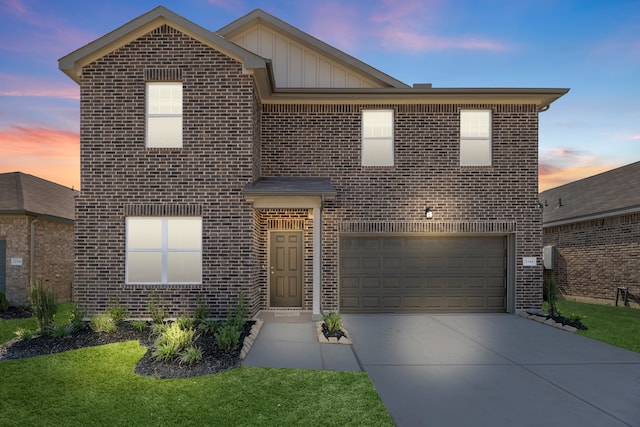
(32, 251)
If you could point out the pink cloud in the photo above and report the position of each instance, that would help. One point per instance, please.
(560, 166)
(342, 32)
(51, 154)
(635, 137)
(407, 40)
(15, 85)
(14, 7)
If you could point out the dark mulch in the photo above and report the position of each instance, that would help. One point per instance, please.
(561, 319)
(16, 313)
(214, 360)
(327, 333)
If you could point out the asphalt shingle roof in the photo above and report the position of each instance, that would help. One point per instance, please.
(21, 193)
(609, 193)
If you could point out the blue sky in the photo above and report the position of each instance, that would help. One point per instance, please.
(589, 46)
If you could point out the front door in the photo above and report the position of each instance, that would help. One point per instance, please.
(285, 271)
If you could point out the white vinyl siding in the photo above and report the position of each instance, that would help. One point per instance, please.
(164, 115)
(164, 250)
(475, 138)
(377, 138)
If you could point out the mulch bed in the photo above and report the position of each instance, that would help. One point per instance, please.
(16, 313)
(213, 360)
(561, 319)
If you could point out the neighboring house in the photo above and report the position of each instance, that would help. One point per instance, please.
(36, 236)
(594, 225)
(261, 160)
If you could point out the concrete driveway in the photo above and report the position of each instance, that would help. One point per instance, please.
(494, 370)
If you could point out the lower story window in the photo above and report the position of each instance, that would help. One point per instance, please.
(164, 250)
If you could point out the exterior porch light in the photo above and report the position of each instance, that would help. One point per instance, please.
(428, 212)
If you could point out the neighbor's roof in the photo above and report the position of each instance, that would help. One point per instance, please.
(261, 69)
(25, 194)
(610, 193)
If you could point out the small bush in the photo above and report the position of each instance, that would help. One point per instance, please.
(228, 336)
(156, 310)
(190, 355)
(139, 325)
(333, 321)
(239, 314)
(117, 312)
(63, 331)
(44, 307)
(201, 312)
(4, 303)
(102, 323)
(24, 333)
(574, 318)
(172, 341)
(185, 322)
(76, 317)
(208, 326)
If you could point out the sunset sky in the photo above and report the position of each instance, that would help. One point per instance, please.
(589, 46)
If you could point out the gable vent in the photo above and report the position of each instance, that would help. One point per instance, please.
(162, 74)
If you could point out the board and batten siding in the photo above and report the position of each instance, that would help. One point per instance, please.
(297, 66)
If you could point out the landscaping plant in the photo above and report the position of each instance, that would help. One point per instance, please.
(117, 312)
(156, 310)
(44, 306)
(102, 323)
(172, 341)
(228, 336)
(4, 303)
(333, 321)
(201, 312)
(552, 296)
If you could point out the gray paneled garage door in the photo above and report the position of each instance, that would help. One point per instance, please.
(422, 274)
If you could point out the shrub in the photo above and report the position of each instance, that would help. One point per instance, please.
(24, 333)
(239, 313)
(190, 355)
(156, 310)
(333, 321)
(63, 331)
(139, 325)
(76, 317)
(552, 296)
(4, 303)
(102, 323)
(201, 312)
(185, 322)
(44, 307)
(574, 318)
(228, 336)
(117, 312)
(172, 341)
(208, 326)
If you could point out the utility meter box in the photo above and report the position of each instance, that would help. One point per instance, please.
(548, 255)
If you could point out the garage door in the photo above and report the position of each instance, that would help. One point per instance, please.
(422, 274)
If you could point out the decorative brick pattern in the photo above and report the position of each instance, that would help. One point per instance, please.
(595, 257)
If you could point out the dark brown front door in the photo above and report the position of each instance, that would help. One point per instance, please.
(285, 271)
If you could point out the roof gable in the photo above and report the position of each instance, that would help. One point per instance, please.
(299, 59)
(72, 63)
(610, 193)
(29, 195)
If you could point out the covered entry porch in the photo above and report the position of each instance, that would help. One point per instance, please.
(287, 225)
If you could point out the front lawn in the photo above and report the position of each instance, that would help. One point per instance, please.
(619, 326)
(97, 386)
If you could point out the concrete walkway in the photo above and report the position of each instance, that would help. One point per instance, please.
(468, 370)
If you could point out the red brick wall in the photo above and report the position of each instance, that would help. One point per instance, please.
(307, 140)
(207, 174)
(594, 257)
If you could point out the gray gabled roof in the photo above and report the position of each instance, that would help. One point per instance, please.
(265, 18)
(610, 193)
(25, 194)
(72, 63)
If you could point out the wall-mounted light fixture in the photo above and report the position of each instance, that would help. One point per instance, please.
(428, 212)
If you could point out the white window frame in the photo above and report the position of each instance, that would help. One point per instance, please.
(164, 250)
(469, 141)
(368, 140)
(170, 113)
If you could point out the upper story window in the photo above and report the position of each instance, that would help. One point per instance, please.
(377, 138)
(475, 138)
(164, 115)
(164, 250)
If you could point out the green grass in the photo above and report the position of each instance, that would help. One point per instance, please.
(619, 326)
(97, 386)
(9, 327)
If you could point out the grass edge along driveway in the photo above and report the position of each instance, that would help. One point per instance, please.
(97, 386)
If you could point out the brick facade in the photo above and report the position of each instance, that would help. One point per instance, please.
(53, 263)
(311, 140)
(595, 257)
(230, 138)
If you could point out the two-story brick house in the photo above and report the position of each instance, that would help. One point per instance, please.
(260, 159)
